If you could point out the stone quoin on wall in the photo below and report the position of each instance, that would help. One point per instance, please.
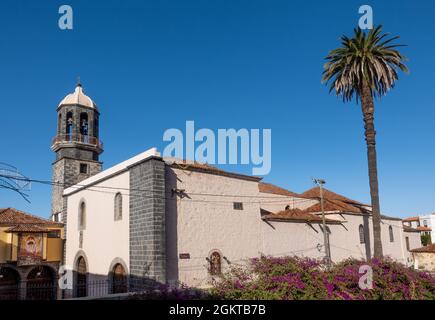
(147, 220)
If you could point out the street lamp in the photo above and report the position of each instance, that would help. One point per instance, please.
(320, 183)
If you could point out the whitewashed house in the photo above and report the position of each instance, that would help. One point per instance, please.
(424, 224)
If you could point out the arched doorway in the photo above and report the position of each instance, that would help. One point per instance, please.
(9, 284)
(41, 284)
(82, 278)
(119, 279)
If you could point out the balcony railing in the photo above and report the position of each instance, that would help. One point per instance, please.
(77, 138)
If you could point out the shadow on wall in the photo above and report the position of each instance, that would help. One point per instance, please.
(367, 243)
(7, 251)
(42, 283)
(171, 182)
(118, 280)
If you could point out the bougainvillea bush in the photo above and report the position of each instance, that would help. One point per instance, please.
(292, 278)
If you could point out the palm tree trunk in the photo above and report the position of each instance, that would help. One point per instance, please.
(368, 110)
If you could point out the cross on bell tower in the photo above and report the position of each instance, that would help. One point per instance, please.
(76, 144)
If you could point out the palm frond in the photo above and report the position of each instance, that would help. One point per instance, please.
(370, 58)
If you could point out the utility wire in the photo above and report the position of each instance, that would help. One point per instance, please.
(140, 191)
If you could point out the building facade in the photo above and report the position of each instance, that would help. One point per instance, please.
(154, 220)
(427, 223)
(31, 251)
(424, 258)
(173, 221)
(424, 224)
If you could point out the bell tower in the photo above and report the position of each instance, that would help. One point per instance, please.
(77, 146)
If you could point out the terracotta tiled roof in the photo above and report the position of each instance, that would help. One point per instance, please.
(334, 202)
(430, 248)
(327, 194)
(423, 228)
(273, 189)
(14, 217)
(335, 205)
(409, 229)
(206, 168)
(412, 219)
(28, 228)
(297, 215)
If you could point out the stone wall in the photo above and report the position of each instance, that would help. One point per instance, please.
(66, 172)
(202, 220)
(147, 220)
(424, 261)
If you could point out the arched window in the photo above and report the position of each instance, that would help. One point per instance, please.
(69, 124)
(84, 128)
(118, 206)
(215, 263)
(84, 124)
(361, 234)
(82, 215)
(390, 230)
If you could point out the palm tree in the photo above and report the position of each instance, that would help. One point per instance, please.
(365, 67)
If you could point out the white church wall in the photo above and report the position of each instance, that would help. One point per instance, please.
(199, 224)
(302, 239)
(414, 243)
(104, 239)
(345, 239)
(283, 238)
(291, 238)
(204, 220)
(395, 249)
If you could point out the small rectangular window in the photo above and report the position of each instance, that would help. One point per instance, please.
(407, 243)
(238, 206)
(83, 168)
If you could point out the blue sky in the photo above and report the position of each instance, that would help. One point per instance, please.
(152, 65)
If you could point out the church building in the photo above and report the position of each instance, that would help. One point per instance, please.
(155, 220)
